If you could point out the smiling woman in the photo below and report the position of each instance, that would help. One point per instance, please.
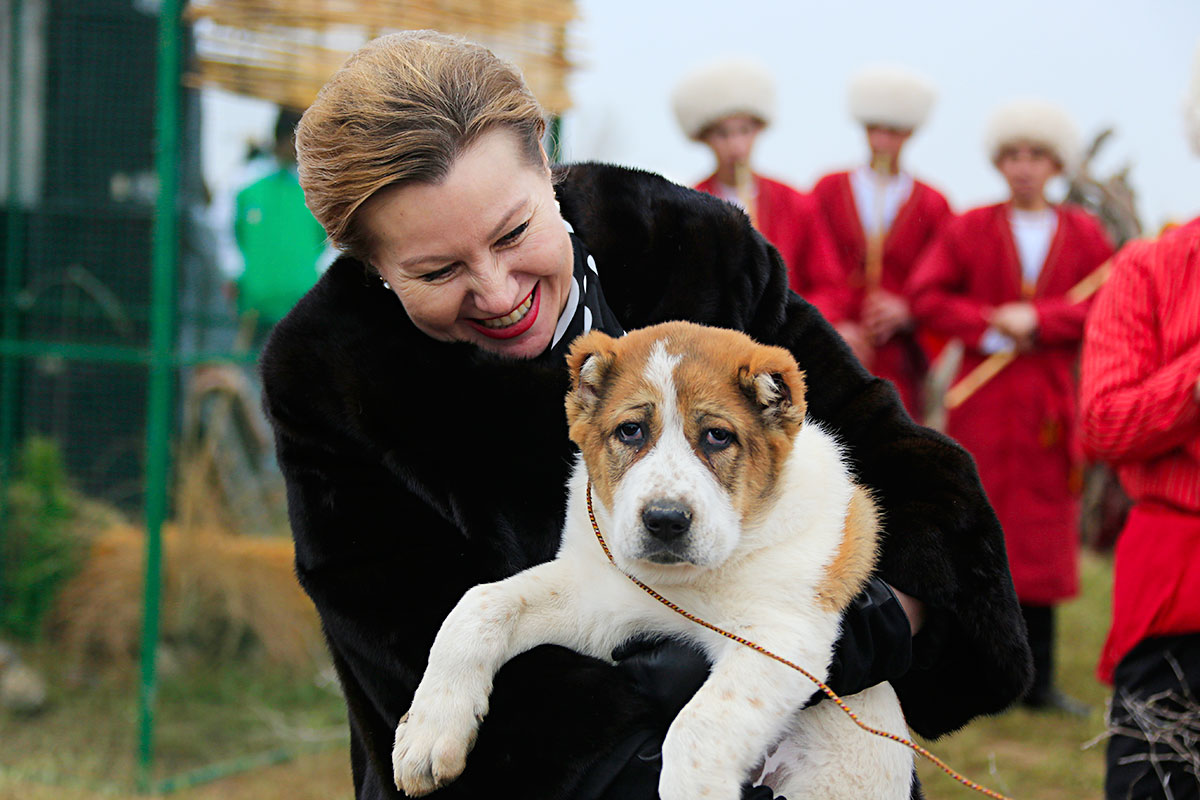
(417, 396)
(481, 256)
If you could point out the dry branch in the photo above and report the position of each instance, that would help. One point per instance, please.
(1169, 721)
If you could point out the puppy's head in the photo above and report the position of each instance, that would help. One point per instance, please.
(684, 431)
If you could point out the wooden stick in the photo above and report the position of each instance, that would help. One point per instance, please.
(881, 167)
(974, 380)
(743, 180)
(873, 267)
(1090, 284)
(992, 366)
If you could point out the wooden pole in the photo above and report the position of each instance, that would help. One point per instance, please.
(743, 180)
(881, 168)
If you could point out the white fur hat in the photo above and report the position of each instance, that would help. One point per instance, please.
(1191, 106)
(721, 89)
(890, 95)
(1037, 121)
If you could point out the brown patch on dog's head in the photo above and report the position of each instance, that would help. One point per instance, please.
(773, 380)
(740, 404)
(589, 360)
(606, 393)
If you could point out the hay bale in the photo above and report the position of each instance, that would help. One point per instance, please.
(223, 596)
(22, 690)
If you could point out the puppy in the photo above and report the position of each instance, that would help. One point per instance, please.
(709, 485)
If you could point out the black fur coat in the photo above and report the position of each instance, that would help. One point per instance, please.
(416, 469)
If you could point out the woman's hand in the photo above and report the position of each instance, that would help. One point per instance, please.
(914, 609)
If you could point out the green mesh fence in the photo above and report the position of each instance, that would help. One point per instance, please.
(142, 531)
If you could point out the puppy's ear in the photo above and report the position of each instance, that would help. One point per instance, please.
(776, 384)
(590, 359)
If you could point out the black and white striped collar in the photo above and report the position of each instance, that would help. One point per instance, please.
(586, 309)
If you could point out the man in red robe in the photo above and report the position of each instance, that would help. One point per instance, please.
(1003, 279)
(882, 219)
(725, 105)
(1140, 412)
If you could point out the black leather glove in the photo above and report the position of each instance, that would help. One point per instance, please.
(667, 673)
(875, 644)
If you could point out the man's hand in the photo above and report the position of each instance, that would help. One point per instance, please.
(1019, 321)
(884, 314)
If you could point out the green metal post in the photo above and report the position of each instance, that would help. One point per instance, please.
(14, 240)
(555, 153)
(166, 246)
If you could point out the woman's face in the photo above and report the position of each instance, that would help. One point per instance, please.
(482, 256)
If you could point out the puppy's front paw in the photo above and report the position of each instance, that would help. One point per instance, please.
(697, 783)
(692, 771)
(432, 745)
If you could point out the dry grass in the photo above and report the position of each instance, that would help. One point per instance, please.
(204, 714)
(1024, 755)
(320, 776)
(1168, 720)
(285, 50)
(1042, 756)
(222, 594)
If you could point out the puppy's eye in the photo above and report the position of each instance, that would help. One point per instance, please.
(631, 433)
(718, 438)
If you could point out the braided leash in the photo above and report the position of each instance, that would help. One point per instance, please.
(916, 748)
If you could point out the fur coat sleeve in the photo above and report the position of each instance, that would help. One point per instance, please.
(416, 469)
(409, 481)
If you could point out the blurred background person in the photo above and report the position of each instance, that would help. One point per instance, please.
(1140, 412)
(999, 279)
(725, 105)
(881, 220)
(281, 244)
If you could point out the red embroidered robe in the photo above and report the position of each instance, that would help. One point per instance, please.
(921, 217)
(1020, 427)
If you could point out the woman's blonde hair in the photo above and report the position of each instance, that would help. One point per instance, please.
(401, 110)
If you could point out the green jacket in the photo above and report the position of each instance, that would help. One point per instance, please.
(280, 243)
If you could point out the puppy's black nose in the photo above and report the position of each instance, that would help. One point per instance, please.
(667, 520)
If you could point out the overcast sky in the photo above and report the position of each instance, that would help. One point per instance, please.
(1119, 63)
